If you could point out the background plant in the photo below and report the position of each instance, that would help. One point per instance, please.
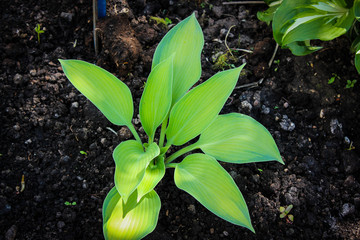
(296, 23)
(131, 208)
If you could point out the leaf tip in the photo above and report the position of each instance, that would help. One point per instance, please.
(251, 228)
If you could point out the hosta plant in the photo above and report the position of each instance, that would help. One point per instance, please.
(296, 23)
(171, 115)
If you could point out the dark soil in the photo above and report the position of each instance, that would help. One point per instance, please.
(46, 122)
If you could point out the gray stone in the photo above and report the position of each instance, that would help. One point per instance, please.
(60, 224)
(33, 72)
(192, 208)
(246, 105)
(265, 110)
(286, 124)
(347, 209)
(335, 126)
(67, 16)
(218, 11)
(18, 79)
(75, 105)
(11, 233)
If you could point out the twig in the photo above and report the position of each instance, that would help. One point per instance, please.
(251, 85)
(243, 2)
(273, 56)
(243, 50)
(227, 34)
(111, 130)
(94, 26)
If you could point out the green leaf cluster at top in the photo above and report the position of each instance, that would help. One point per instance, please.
(131, 208)
(296, 23)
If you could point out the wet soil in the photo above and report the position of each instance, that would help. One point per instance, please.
(62, 144)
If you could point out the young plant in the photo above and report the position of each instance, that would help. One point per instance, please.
(39, 31)
(284, 213)
(350, 83)
(296, 23)
(163, 21)
(67, 203)
(131, 208)
(333, 78)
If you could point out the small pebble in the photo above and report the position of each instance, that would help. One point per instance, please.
(225, 233)
(75, 105)
(347, 209)
(286, 124)
(17, 79)
(246, 105)
(11, 233)
(84, 185)
(16, 127)
(33, 72)
(192, 208)
(335, 126)
(60, 224)
(67, 16)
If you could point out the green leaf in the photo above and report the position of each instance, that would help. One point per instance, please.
(203, 178)
(301, 48)
(297, 21)
(268, 14)
(153, 174)
(131, 162)
(131, 220)
(155, 102)
(186, 40)
(356, 8)
(237, 138)
(355, 47)
(110, 95)
(199, 107)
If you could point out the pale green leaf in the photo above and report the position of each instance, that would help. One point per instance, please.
(199, 107)
(155, 171)
(238, 138)
(110, 95)
(131, 220)
(203, 178)
(186, 40)
(155, 102)
(131, 161)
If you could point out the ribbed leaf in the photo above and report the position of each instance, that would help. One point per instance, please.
(131, 220)
(131, 162)
(199, 107)
(238, 138)
(153, 174)
(110, 95)
(203, 178)
(155, 102)
(297, 21)
(186, 40)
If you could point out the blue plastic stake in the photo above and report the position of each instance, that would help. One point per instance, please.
(101, 8)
